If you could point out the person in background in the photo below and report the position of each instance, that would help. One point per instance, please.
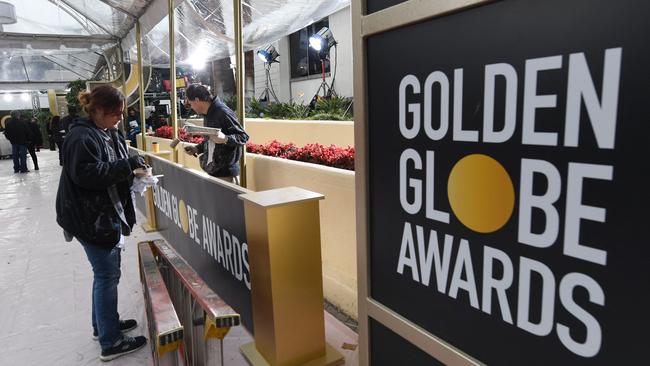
(67, 120)
(57, 131)
(17, 132)
(219, 155)
(134, 130)
(133, 116)
(94, 205)
(35, 141)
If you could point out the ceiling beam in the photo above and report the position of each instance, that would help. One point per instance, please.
(20, 40)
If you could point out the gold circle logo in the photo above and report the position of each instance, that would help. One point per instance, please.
(481, 193)
(182, 212)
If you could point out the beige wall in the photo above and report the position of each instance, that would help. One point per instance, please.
(337, 215)
(262, 131)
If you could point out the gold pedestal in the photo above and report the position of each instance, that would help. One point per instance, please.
(283, 233)
(254, 357)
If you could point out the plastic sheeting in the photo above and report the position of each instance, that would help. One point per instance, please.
(63, 40)
(76, 17)
(44, 68)
(49, 67)
(205, 30)
(48, 30)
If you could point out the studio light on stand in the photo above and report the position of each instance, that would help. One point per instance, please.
(322, 42)
(268, 55)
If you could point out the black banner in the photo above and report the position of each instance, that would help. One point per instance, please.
(204, 222)
(507, 198)
(377, 5)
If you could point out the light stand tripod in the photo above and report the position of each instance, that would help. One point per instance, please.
(268, 90)
(328, 90)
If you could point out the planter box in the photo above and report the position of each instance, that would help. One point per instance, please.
(337, 215)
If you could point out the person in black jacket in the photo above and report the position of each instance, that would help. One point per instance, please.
(57, 132)
(17, 132)
(219, 154)
(35, 141)
(94, 205)
(66, 121)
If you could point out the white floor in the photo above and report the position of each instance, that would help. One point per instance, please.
(45, 282)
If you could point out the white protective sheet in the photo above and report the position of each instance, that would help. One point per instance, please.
(38, 46)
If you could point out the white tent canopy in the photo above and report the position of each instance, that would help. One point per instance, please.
(65, 40)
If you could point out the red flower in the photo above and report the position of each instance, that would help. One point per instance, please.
(166, 133)
(333, 156)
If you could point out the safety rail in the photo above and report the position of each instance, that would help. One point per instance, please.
(203, 313)
(165, 329)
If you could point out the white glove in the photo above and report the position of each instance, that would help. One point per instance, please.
(219, 138)
(141, 183)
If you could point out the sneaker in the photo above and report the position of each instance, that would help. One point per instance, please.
(125, 326)
(123, 347)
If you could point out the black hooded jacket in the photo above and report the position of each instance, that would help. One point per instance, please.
(83, 205)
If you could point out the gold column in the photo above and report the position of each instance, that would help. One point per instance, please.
(125, 113)
(239, 80)
(283, 233)
(143, 125)
(51, 97)
(172, 76)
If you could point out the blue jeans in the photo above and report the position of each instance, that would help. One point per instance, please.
(106, 276)
(19, 153)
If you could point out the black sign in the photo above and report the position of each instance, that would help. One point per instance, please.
(204, 222)
(507, 153)
(377, 5)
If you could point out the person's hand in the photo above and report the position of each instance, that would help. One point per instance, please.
(136, 162)
(220, 138)
(191, 149)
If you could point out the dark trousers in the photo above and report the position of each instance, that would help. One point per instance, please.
(32, 151)
(59, 145)
(19, 153)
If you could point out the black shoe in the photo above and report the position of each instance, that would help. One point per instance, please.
(123, 347)
(125, 326)
(24, 171)
(36, 168)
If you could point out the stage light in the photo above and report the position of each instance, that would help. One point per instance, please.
(322, 41)
(268, 55)
(8, 97)
(199, 58)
